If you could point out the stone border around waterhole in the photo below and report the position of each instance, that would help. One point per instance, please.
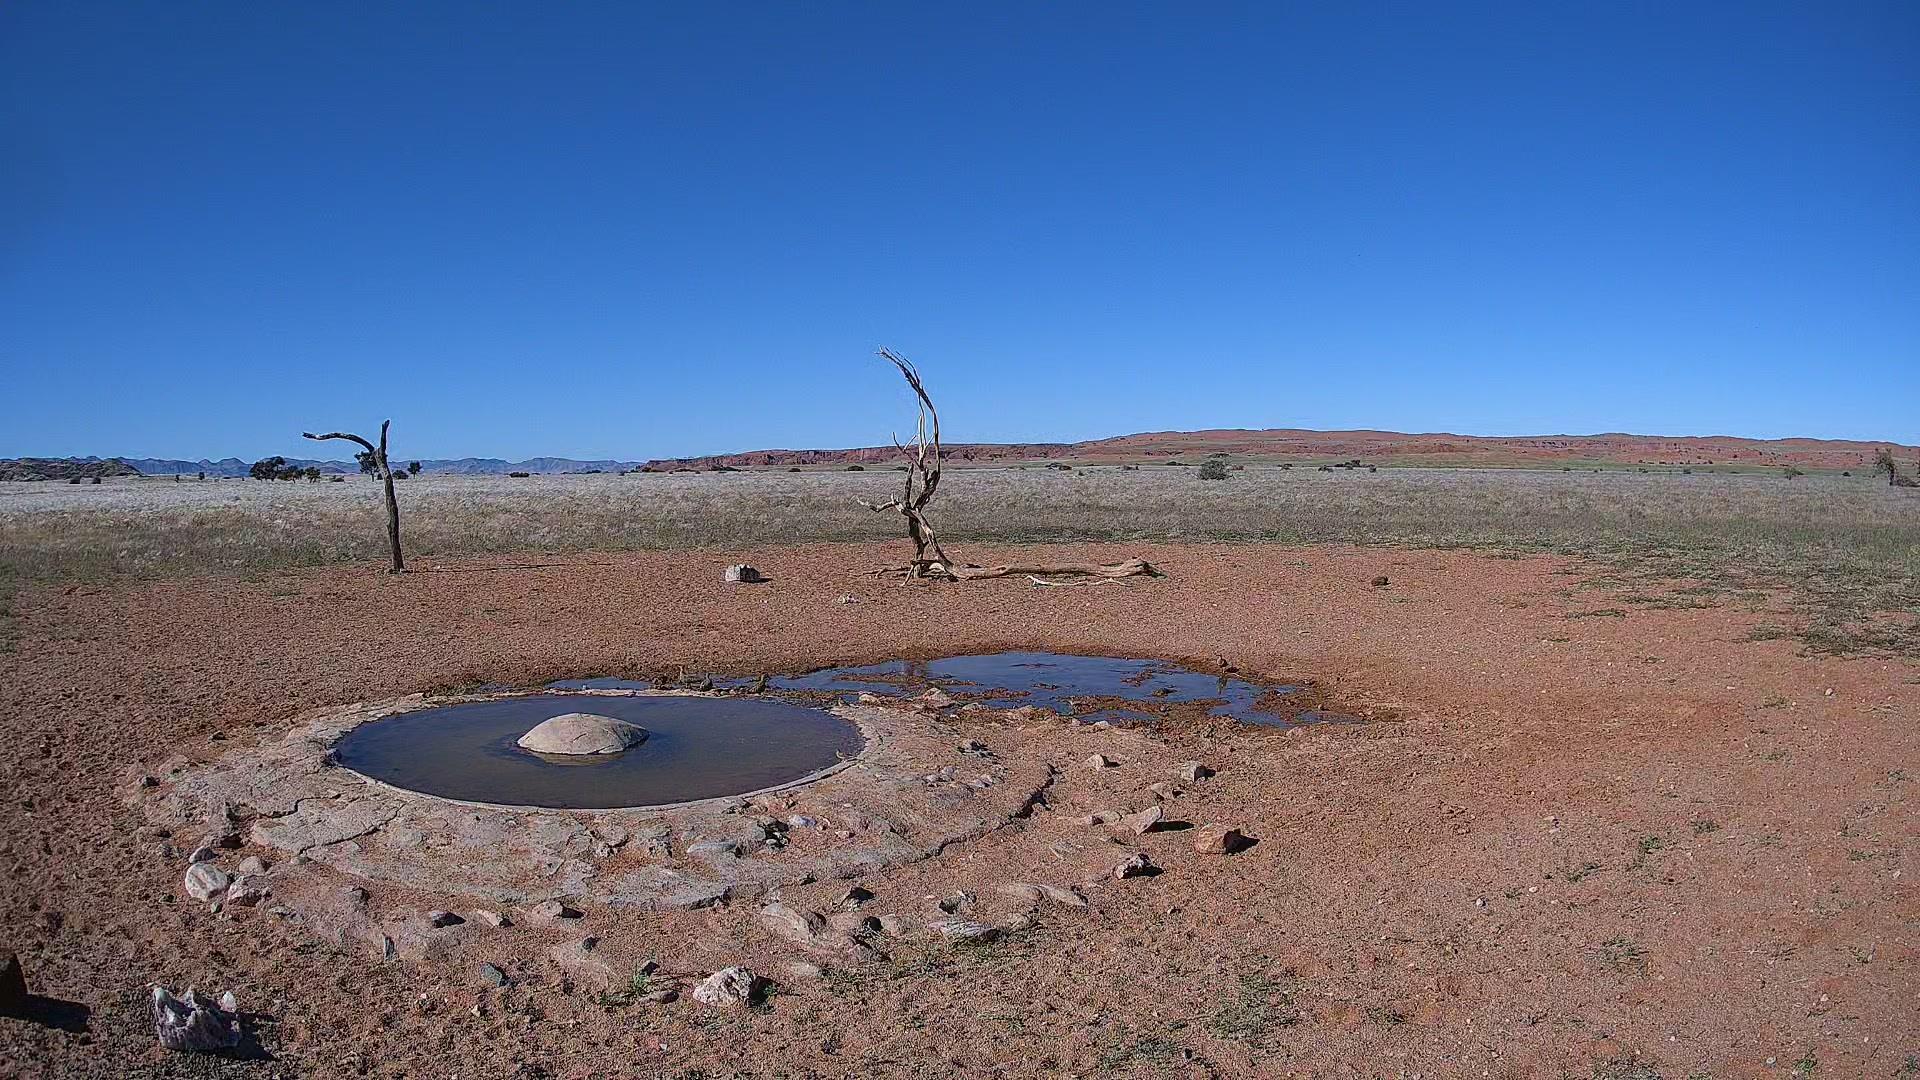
(914, 789)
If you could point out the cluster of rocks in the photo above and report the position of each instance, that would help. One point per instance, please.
(1213, 838)
(218, 888)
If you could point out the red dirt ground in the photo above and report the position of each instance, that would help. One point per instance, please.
(1563, 843)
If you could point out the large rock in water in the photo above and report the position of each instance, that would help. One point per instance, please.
(582, 733)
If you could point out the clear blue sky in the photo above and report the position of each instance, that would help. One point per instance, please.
(631, 230)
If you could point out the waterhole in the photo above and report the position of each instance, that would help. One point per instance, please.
(696, 748)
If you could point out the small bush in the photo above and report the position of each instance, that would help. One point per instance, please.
(1213, 469)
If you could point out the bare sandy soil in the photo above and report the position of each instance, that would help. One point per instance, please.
(1567, 843)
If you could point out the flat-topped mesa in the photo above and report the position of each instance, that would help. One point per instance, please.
(583, 734)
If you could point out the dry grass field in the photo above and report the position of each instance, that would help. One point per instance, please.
(1847, 548)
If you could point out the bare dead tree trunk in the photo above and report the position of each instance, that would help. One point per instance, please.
(923, 479)
(386, 476)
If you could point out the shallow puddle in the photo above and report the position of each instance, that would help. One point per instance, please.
(696, 748)
(1084, 687)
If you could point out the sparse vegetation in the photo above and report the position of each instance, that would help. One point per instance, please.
(1212, 469)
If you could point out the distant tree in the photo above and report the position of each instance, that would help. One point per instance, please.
(377, 456)
(267, 468)
(413, 468)
(1883, 463)
(313, 474)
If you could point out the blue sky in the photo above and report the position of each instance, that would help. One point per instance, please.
(633, 231)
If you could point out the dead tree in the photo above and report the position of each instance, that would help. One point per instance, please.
(386, 477)
(923, 479)
(1883, 463)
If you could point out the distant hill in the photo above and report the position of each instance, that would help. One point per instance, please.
(62, 469)
(1382, 447)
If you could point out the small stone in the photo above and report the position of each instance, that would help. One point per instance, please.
(1145, 821)
(1101, 817)
(1381, 581)
(193, 1021)
(491, 918)
(550, 911)
(661, 997)
(228, 839)
(444, 918)
(1018, 924)
(806, 929)
(253, 864)
(727, 988)
(13, 987)
(1216, 839)
(854, 898)
(1032, 893)
(1137, 866)
(611, 835)
(206, 881)
(1193, 772)
(802, 821)
(742, 574)
(492, 976)
(973, 746)
(1164, 791)
(245, 892)
(149, 781)
(354, 895)
(800, 969)
(965, 931)
(1099, 761)
(935, 698)
(201, 854)
(956, 902)
(893, 925)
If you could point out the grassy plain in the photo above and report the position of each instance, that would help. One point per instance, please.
(1845, 551)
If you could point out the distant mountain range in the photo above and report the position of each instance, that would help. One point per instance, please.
(233, 466)
(1273, 444)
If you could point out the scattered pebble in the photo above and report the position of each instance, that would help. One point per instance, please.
(727, 988)
(1137, 866)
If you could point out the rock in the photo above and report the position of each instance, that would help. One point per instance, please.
(245, 892)
(852, 922)
(1217, 839)
(491, 918)
(492, 976)
(550, 911)
(443, 918)
(802, 821)
(253, 864)
(201, 854)
(1137, 866)
(973, 746)
(804, 928)
(226, 838)
(956, 902)
(582, 964)
(206, 881)
(893, 925)
(13, 987)
(611, 835)
(354, 895)
(661, 997)
(800, 969)
(935, 698)
(1018, 924)
(1101, 817)
(854, 898)
(1164, 791)
(965, 931)
(1381, 581)
(1193, 772)
(727, 988)
(194, 1021)
(1034, 894)
(742, 574)
(1099, 761)
(1145, 821)
(581, 733)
